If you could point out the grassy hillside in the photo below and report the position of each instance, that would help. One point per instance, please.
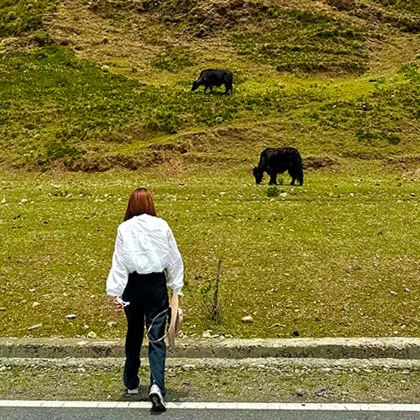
(95, 99)
(103, 81)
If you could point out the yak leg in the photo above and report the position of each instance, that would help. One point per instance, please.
(296, 174)
(291, 173)
(273, 176)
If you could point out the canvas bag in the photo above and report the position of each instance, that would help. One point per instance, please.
(176, 321)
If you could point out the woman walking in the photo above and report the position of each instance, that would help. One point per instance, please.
(146, 260)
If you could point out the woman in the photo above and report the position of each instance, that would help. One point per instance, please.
(146, 260)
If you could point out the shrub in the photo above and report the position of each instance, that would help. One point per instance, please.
(20, 16)
(60, 148)
(166, 121)
(272, 191)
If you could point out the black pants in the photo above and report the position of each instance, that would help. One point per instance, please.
(148, 296)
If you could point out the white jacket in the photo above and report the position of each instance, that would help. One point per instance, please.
(145, 244)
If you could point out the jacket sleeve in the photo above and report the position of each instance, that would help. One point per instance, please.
(175, 270)
(118, 275)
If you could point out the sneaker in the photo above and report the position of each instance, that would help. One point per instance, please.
(134, 391)
(158, 404)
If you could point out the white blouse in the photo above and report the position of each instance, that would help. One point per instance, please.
(145, 244)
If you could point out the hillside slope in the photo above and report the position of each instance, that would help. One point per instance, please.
(94, 84)
(95, 98)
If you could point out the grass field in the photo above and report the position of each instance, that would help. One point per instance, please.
(264, 384)
(337, 257)
(95, 100)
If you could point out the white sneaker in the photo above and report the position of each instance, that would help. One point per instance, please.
(134, 391)
(158, 404)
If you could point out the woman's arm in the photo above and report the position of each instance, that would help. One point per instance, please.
(118, 275)
(175, 270)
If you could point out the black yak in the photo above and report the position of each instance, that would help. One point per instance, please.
(214, 77)
(278, 160)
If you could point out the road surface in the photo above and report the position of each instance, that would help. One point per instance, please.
(73, 410)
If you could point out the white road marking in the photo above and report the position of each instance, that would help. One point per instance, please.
(214, 405)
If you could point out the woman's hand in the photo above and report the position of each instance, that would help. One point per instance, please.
(118, 304)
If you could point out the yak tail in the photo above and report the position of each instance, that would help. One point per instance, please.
(300, 175)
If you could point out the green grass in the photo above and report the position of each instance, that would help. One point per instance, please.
(18, 17)
(289, 39)
(108, 87)
(174, 59)
(323, 260)
(306, 42)
(201, 384)
(410, 5)
(403, 15)
(55, 106)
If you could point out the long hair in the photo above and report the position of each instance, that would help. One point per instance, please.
(140, 202)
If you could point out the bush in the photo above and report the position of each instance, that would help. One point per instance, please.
(60, 148)
(20, 16)
(272, 191)
(165, 121)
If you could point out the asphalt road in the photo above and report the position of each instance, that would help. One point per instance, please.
(32, 413)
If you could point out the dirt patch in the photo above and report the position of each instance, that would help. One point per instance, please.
(354, 154)
(206, 16)
(234, 133)
(104, 163)
(203, 18)
(156, 155)
(181, 148)
(410, 164)
(220, 137)
(408, 160)
(312, 163)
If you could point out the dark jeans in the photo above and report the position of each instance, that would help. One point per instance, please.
(148, 296)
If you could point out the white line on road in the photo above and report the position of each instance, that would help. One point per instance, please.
(214, 405)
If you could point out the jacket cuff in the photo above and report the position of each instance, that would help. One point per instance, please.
(178, 292)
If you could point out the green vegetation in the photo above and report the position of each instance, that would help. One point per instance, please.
(20, 16)
(336, 257)
(203, 384)
(174, 59)
(106, 86)
(305, 41)
(55, 106)
(410, 5)
(404, 15)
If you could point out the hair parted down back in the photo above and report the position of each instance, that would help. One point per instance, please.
(140, 202)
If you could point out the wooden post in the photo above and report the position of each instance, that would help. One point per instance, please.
(215, 301)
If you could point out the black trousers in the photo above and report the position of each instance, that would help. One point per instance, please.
(148, 297)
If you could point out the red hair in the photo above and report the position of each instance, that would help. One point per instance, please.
(140, 202)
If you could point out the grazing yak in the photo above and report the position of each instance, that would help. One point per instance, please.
(214, 77)
(278, 160)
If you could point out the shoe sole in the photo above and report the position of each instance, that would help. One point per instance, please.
(157, 404)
